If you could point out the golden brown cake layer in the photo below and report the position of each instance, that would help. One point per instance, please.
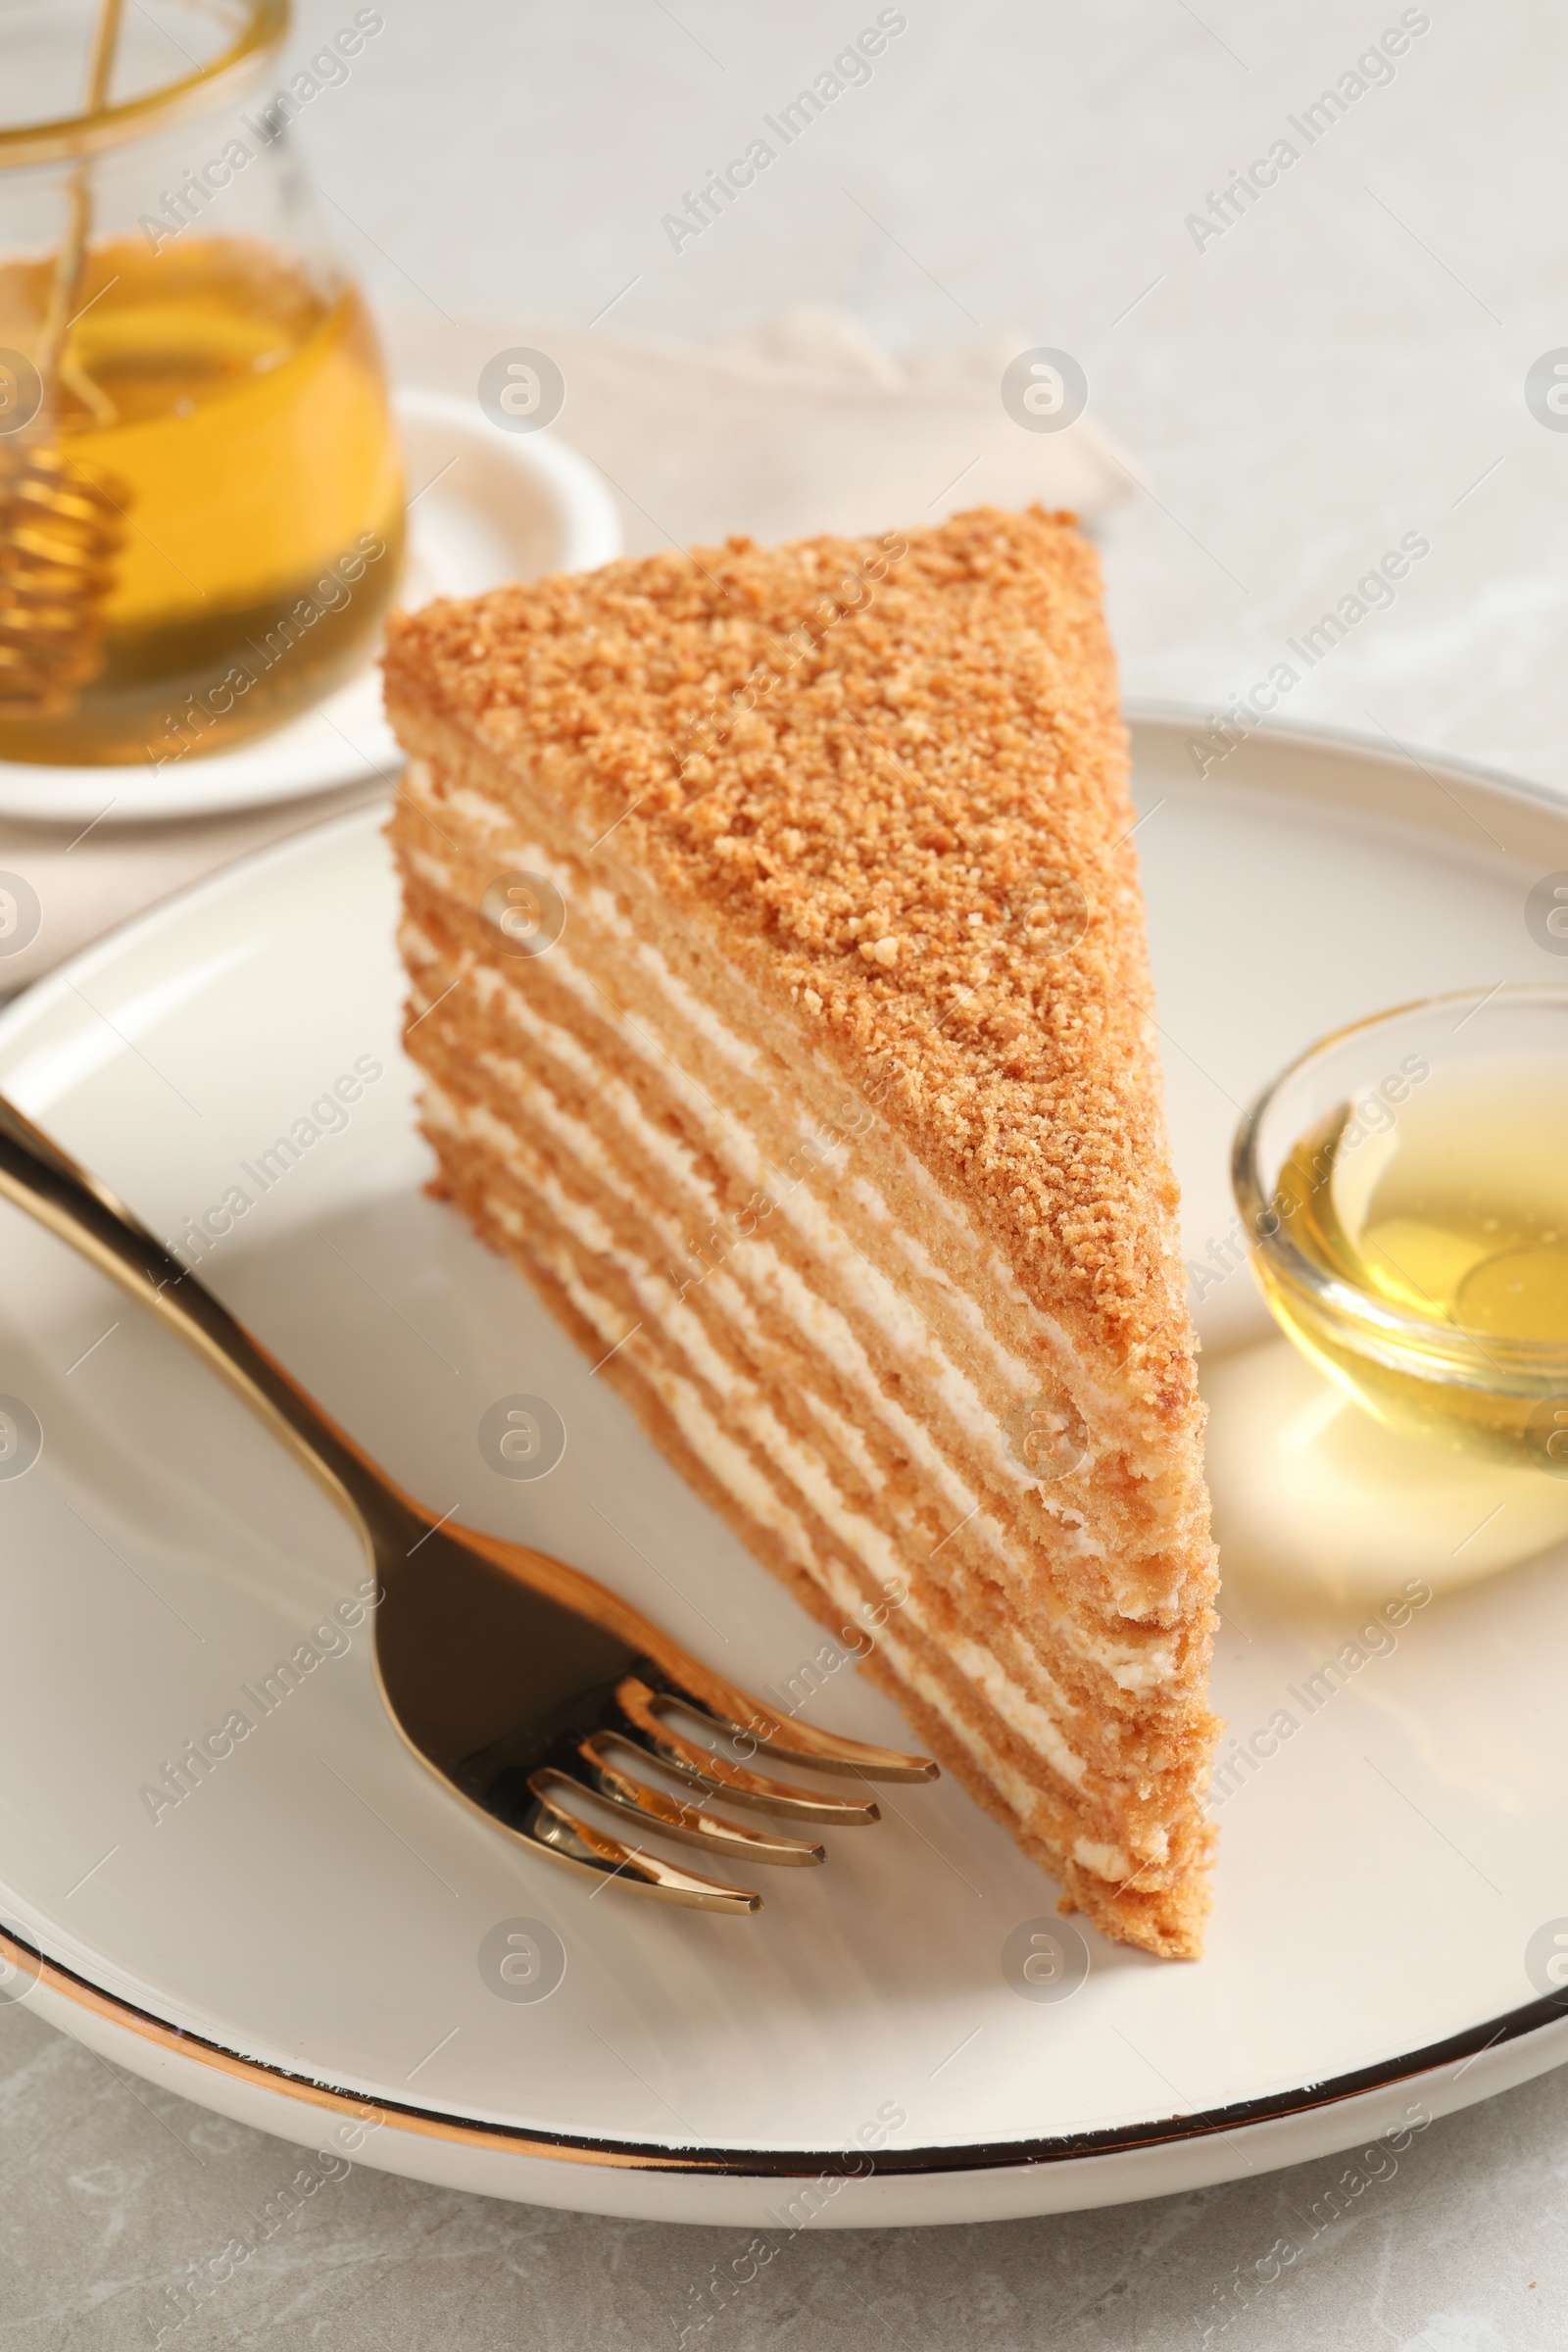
(850, 1180)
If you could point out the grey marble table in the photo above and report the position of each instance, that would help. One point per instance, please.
(1305, 372)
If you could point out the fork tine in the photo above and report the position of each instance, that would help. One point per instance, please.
(725, 1707)
(642, 1708)
(772, 1735)
(566, 1835)
(612, 1783)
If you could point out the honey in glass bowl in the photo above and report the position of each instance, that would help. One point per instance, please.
(207, 500)
(1407, 1182)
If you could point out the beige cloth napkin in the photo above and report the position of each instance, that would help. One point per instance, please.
(806, 425)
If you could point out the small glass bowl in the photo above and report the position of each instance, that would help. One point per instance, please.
(1469, 1391)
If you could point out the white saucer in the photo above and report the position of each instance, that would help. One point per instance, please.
(300, 1941)
(484, 507)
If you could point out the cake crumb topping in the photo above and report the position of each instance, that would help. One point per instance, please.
(890, 778)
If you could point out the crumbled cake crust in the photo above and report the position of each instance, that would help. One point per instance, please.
(890, 812)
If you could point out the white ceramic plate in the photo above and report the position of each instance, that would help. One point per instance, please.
(300, 1940)
(484, 507)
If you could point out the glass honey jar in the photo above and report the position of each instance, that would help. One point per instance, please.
(201, 504)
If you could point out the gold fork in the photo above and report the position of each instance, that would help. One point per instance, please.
(524, 1684)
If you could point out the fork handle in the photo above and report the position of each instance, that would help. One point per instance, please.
(49, 1185)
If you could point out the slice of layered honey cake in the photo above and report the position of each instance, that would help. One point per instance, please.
(780, 993)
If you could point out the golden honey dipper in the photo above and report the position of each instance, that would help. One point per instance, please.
(60, 531)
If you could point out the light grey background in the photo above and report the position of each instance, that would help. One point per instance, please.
(1343, 365)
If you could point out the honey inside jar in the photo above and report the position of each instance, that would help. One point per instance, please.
(1450, 1209)
(229, 412)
